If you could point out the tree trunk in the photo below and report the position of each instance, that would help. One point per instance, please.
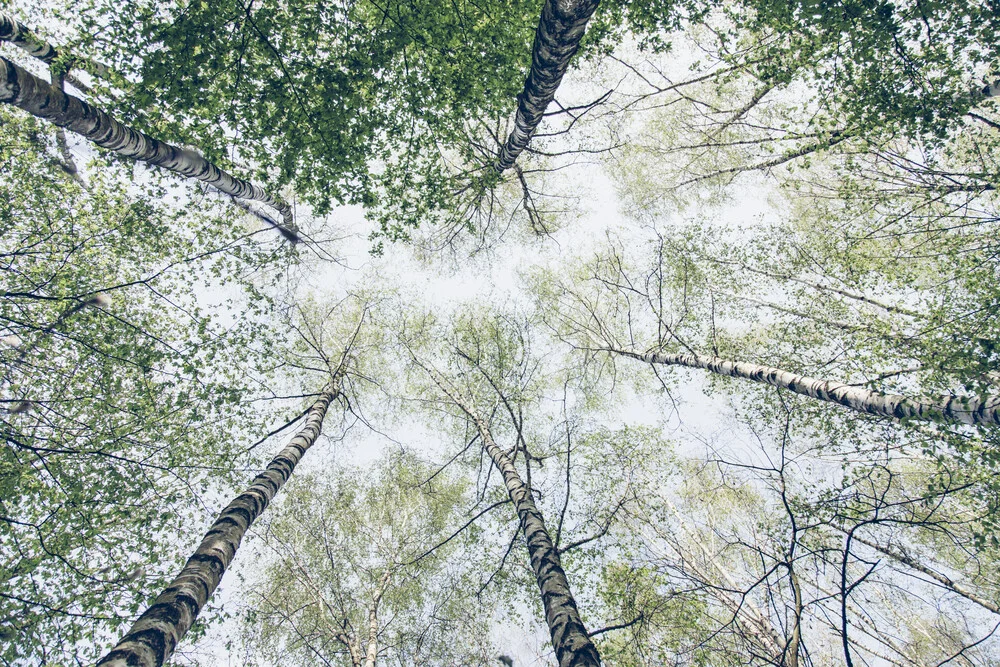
(15, 32)
(154, 636)
(372, 654)
(28, 92)
(791, 653)
(945, 581)
(569, 636)
(961, 409)
(18, 34)
(557, 38)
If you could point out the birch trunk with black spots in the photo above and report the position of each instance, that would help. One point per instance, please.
(570, 638)
(26, 91)
(18, 34)
(15, 32)
(957, 409)
(557, 39)
(155, 635)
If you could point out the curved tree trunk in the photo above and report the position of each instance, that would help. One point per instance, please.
(154, 636)
(569, 635)
(26, 91)
(961, 409)
(557, 38)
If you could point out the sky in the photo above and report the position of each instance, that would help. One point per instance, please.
(447, 282)
(590, 189)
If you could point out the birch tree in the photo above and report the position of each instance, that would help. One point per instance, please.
(669, 315)
(153, 637)
(557, 39)
(968, 410)
(569, 636)
(117, 373)
(15, 32)
(30, 93)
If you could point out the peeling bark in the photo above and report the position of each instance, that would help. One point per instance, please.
(960, 409)
(569, 635)
(557, 39)
(26, 91)
(154, 636)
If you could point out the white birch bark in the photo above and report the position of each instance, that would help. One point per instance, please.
(372, 653)
(18, 34)
(26, 91)
(961, 409)
(570, 638)
(154, 636)
(15, 32)
(888, 307)
(945, 581)
(763, 629)
(557, 39)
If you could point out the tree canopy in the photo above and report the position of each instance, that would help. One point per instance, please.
(522, 333)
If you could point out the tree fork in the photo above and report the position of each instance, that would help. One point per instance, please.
(960, 409)
(557, 39)
(26, 91)
(153, 637)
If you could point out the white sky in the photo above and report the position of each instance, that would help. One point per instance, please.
(492, 278)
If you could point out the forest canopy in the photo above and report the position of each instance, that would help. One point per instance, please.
(504, 333)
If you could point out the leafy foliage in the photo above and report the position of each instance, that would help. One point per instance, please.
(124, 396)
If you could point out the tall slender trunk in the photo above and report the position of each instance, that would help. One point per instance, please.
(945, 581)
(888, 307)
(15, 32)
(961, 409)
(372, 654)
(26, 91)
(570, 638)
(791, 654)
(744, 612)
(154, 636)
(557, 38)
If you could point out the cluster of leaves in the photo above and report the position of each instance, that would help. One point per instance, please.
(354, 545)
(876, 67)
(396, 106)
